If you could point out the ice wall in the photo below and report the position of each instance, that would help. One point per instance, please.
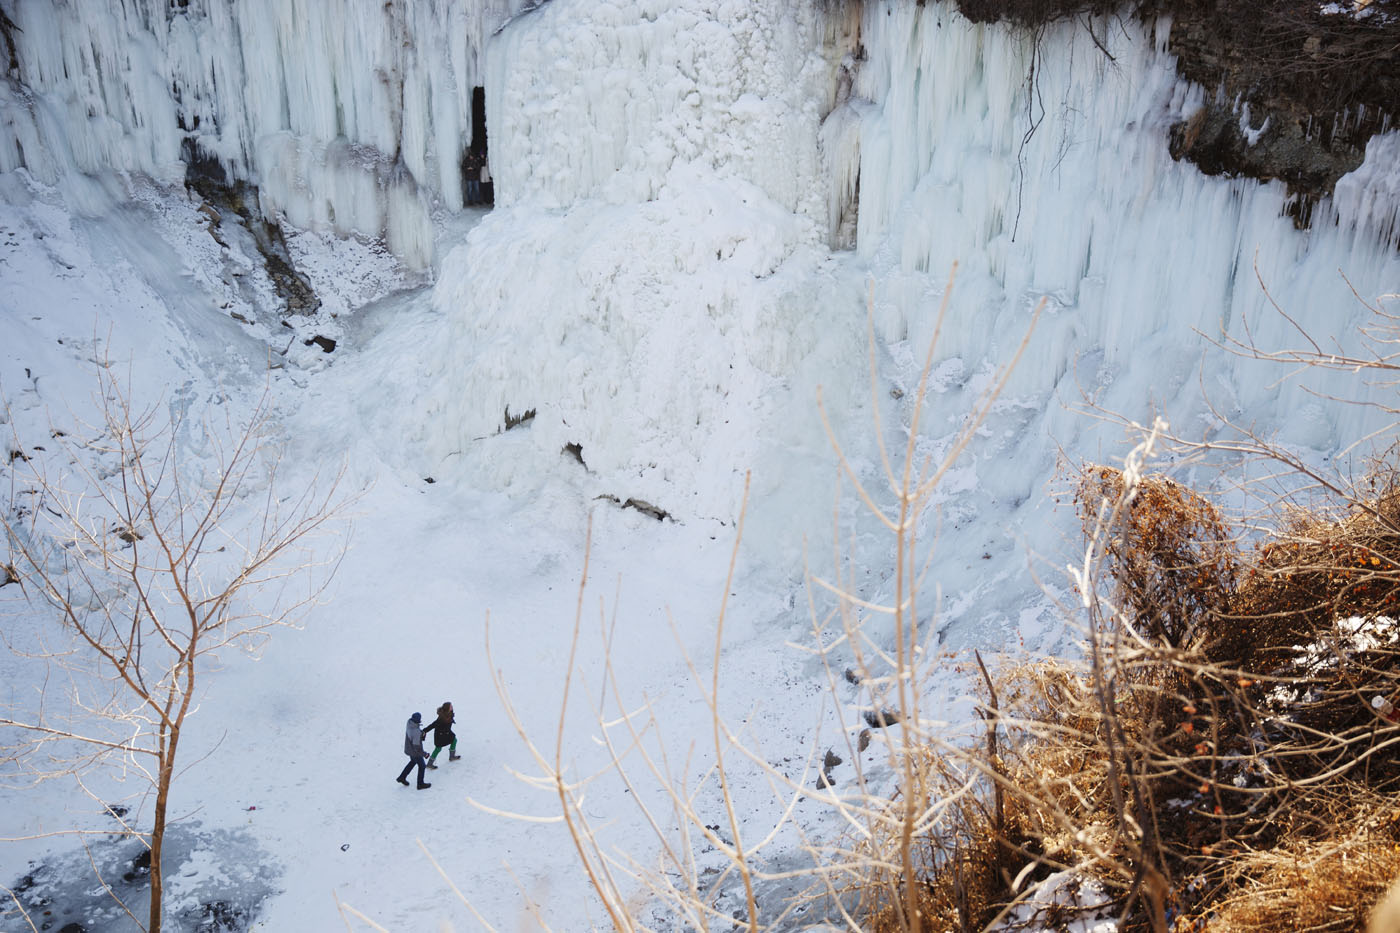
(657, 285)
(1065, 189)
(1061, 185)
(651, 279)
(602, 100)
(348, 114)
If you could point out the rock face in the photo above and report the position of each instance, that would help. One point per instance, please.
(237, 199)
(1292, 93)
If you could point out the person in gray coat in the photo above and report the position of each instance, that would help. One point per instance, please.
(413, 748)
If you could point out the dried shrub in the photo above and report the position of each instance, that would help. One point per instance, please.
(1060, 810)
(959, 887)
(971, 855)
(1326, 884)
(1315, 569)
(1260, 750)
(1171, 559)
(1256, 796)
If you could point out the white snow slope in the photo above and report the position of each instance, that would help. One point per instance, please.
(703, 209)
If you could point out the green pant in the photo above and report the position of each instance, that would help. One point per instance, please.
(451, 751)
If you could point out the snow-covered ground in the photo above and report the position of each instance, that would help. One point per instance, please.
(297, 751)
(657, 284)
(289, 793)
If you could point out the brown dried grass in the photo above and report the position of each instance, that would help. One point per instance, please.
(1261, 813)
(1327, 885)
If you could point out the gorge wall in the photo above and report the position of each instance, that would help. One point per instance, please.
(701, 203)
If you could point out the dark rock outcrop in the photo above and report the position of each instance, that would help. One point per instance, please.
(1317, 85)
(1318, 81)
(227, 197)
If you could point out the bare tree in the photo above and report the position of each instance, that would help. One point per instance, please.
(155, 543)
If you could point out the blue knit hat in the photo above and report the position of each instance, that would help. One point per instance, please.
(417, 717)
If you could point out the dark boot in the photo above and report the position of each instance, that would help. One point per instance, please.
(402, 780)
(454, 757)
(424, 786)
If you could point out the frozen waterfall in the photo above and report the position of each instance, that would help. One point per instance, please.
(699, 202)
(350, 115)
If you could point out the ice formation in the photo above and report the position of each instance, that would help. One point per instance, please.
(654, 290)
(698, 203)
(349, 114)
(651, 280)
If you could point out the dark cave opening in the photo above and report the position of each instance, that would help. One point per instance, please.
(477, 187)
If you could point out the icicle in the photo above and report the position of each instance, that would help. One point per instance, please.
(1368, 199)
(123, 86)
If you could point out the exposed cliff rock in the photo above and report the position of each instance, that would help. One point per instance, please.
(1317, 86)
(7, 35)
(1293, 90)
(235, 198)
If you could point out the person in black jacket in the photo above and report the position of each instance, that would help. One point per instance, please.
(471, 176)
(443, 736)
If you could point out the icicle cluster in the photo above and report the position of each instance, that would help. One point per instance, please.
(1039, 163)
(350, 115)
(654, 274)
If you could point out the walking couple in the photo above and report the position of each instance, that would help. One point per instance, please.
(443, 737)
